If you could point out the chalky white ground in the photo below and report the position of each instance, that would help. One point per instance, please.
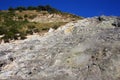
(87, 49)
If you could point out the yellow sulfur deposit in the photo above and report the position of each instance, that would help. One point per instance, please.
(69, 30)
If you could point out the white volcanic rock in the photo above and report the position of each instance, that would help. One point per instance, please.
(87, 49)
(51, 18)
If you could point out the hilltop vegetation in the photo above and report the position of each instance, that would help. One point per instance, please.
(15, 23)
(38, 8)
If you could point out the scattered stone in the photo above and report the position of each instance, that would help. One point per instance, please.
(86, 49)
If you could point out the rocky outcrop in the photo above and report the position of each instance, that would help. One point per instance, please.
(87, 49)
(47, 18)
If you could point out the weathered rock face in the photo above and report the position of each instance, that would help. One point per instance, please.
(87, 49)
(47, 18)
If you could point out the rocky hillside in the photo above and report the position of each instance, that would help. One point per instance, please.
(45, 16)
(87, 49)
(17, 23)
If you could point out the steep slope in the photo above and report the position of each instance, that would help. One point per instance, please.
(87, 49)
(16, 24)
(45, 16)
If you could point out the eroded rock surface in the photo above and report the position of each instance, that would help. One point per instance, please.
(87, 49)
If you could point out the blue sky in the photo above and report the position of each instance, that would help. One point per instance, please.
(85, 8)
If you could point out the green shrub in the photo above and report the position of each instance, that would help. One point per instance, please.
(45, 28)
(55, 26)
(32, 16)
(20, 17)
(11, 9)
(25, 16)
